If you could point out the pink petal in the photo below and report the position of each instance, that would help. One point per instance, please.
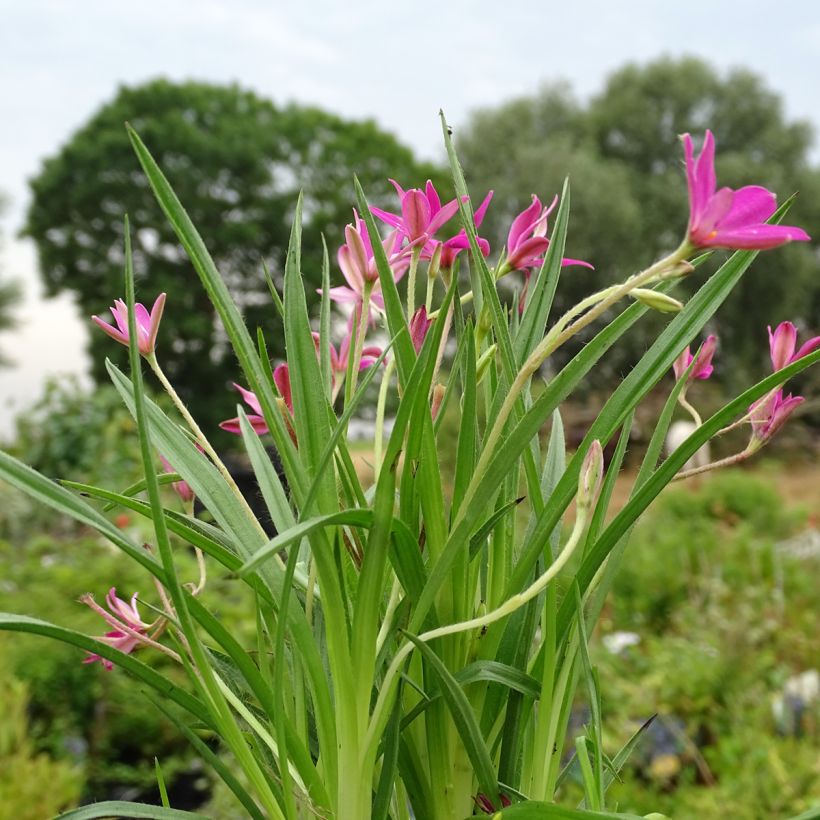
(759, 237)
(386, 217)
(415, 211)
(809, 347)
(344, 295)
(716, 209)
(782, 343)
(527, 252)
(432, 197)
(115, 334)
(522, 224)
(751, 205)
(250, 398)
(444, 215)
(567, 261)
(705, 179)
(281, 378)
(482, 209)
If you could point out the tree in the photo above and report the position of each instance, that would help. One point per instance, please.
(237, 162)
(629, 201)
(10, 296)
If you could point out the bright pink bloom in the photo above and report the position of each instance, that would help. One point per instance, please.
(769, 414)
(358, 265)
(703, 366)
(782, 344)
(726, 218)
(452, 247)
(127, 623)
(147, 324)
(527, 239)
(419, 325)
(422, 213)
(256, 419)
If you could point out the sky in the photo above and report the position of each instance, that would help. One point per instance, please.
(397, 63)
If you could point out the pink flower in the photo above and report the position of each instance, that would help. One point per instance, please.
(182, 488)
(527, 239)
(358, 265)
(770, 413)
(422, 213)
(419, 325)
(339, 358)
(452, 247)
(256, 419)
(726, 218)
(703, 366)
(782, 344)
(147, 324)
(127, 623)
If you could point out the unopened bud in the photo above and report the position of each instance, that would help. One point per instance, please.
(592, 475)
(676, 271)
(483, 363)
(435, 262)
(435, 401)
(657, 300)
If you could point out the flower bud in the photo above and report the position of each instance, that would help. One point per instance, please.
(435, 262)
(592, 476)
(435, 402)
(657, 300)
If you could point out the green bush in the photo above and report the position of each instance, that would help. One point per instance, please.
(32, 785)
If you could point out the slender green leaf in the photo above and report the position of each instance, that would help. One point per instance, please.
(116, 809)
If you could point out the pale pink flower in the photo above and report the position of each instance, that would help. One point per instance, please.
(782, 344)
(181, 487)
(147, 324)
(358, 264)
(703, 366)
(725, 218)
(770, 413)
(126, 620)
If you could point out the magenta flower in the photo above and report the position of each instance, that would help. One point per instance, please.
(147, 324)
(358, 265)
(770, 413)
(182, 488)
(782, 344)
(419, 325)
(703, 366)
(527, 239)
(339, 358)
(726, 218)
(452, 247)
(125, 618)
(256, 419)
(422, 213)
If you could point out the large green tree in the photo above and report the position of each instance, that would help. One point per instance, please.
(10, 295)
(237, 162)
(628, 187)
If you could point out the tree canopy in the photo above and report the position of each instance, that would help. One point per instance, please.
(629, 200)
(237, 162)
(10, 295)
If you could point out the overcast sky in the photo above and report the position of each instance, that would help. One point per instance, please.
(395, 62)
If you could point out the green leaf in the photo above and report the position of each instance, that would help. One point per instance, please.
(463, 718)
(226, 308)
(163, 792)
(116, 809)
(310, 407)
(532, 810)
(51, 494)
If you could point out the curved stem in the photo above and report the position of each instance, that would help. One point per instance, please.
(689, 409)
(715, 465)
(507, 608)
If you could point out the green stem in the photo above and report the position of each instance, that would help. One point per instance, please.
(689, 409)
(378, 441)
(358, 343)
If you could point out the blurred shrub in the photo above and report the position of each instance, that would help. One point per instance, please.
(78, 433)
(32, 785)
